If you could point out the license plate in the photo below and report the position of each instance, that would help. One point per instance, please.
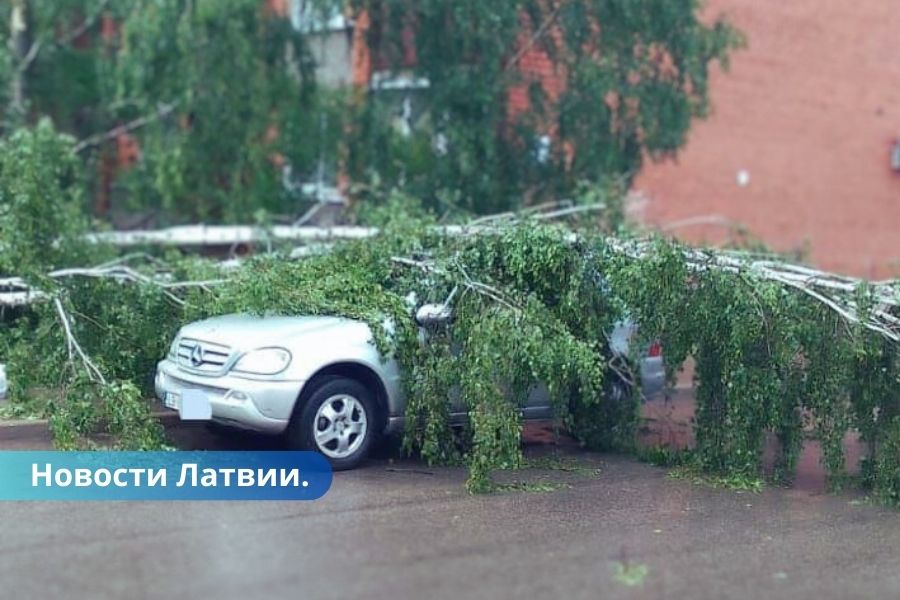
(172, 400)
(195, 406)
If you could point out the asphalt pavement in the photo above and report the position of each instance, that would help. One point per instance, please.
(399, 529)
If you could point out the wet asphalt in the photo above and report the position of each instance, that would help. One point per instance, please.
(399, 529)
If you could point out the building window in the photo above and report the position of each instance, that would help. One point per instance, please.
(307, 17)
(542, 148)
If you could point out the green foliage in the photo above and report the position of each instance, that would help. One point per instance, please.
(489, 359)
(884, 471)
(351, 282)
(630, 574)
(54, 52)
(41, 195)
(768, 359)
(532, 308)
(632, 76)
(118, 409)
(510, 331)
(127, 327)
(223, 95)
(663, 456)
(733, 481)
(235, 75)
(495, 352)
(218, 93)
(222, 99)
(528, 487)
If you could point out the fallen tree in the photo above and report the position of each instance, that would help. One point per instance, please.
(778, 347)
(836, 292)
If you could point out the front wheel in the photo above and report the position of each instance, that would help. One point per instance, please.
(339, 420)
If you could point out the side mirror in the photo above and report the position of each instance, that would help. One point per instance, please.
(433, 314)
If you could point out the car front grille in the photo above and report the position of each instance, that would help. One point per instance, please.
(203, 357)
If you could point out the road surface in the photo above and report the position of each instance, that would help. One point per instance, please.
(398, 529)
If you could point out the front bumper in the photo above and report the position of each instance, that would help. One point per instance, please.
(257, 405)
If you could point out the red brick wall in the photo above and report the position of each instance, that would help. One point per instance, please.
(535, 65)
(810, 110)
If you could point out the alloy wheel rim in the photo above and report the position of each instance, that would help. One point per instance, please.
(340, 426)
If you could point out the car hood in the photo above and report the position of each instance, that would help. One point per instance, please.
(247, 332)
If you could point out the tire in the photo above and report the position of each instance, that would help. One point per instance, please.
(338, 419)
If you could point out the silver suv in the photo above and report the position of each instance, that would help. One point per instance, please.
(319, 380)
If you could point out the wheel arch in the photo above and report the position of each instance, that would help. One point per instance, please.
(360, 372)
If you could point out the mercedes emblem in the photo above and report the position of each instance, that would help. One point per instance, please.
(197, 356)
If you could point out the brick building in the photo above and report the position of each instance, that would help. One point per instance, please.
(799, 148)
(799, 145)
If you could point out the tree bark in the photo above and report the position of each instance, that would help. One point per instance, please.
(19, 47)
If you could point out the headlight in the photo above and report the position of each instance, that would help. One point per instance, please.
(265, 361)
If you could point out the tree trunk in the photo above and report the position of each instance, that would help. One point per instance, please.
(19, 46)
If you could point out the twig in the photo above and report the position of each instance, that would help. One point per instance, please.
(835, 292)
(118, 272)
(584, 208)
(468, 283)
(29, 57)
(537, 208)
(96, 140)
(85, 24)
(180, 285)
(36, 46)
(538, 34)
(74, 347)
(16, 292)
(309, 214)
(133, 256)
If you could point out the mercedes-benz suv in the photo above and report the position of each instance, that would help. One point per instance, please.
(320, 380)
